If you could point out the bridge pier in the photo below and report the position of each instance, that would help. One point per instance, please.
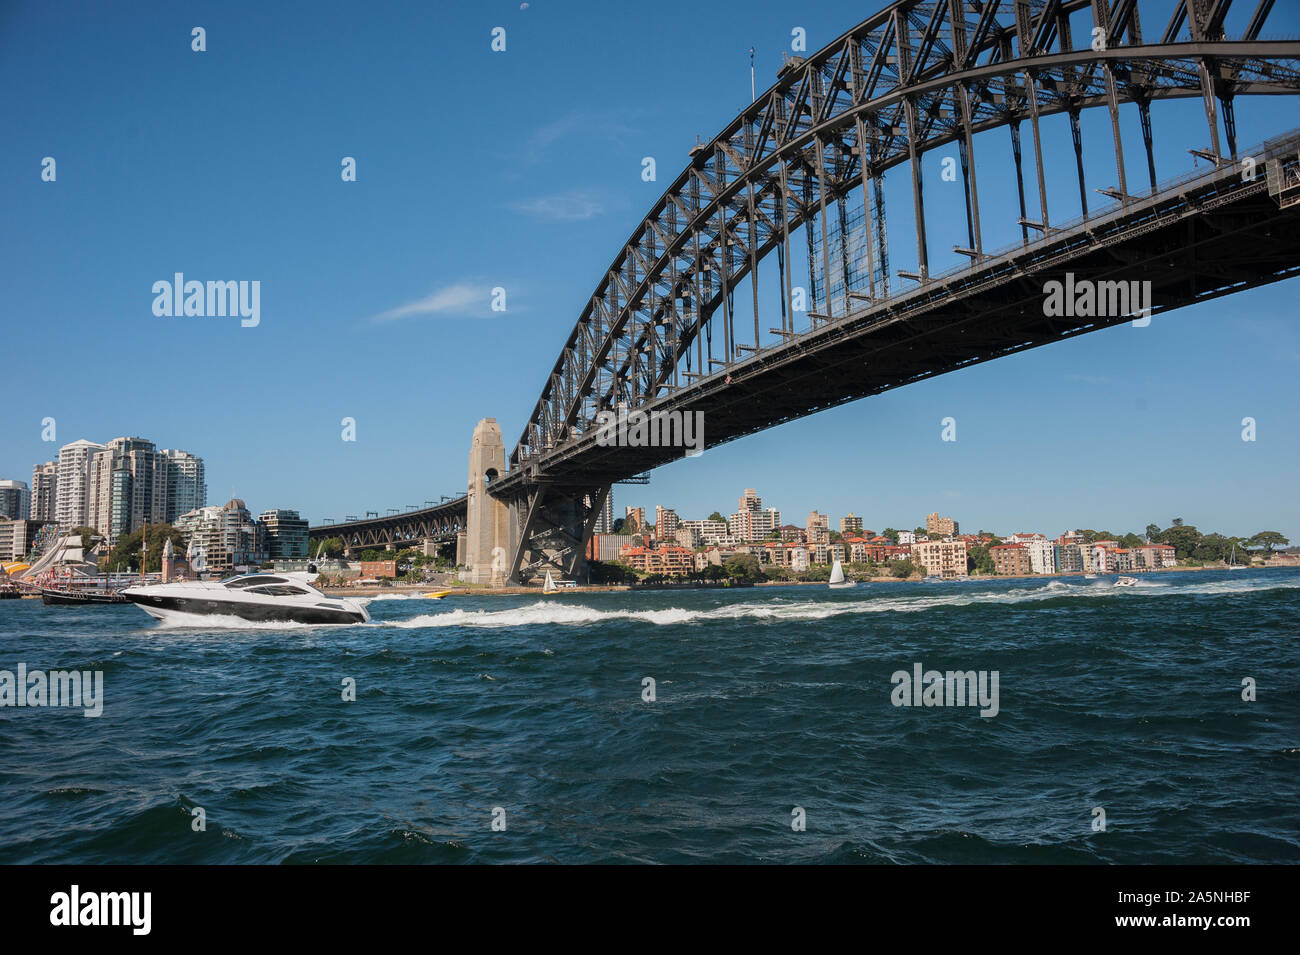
(487, 520)
(551, 526)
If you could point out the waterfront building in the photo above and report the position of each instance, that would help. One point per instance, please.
(792, 534)
(284, 534)
(666, 523)
(606, 546)
(17, 538)
(850, 524)
(937, 526)
(941, 558)
(605, 522)
(1042, 554)
(184, 481)
(907, 538)
(1011, 560)
(1069, 558)
(1103, 556)
(72, 488)
(634, 520)
(15, 500)
(1154, 556)
(224, 537)
(817, 530)
(44, 492)
(754, 524)
(668, 559)
(699, 533)
(127, 487)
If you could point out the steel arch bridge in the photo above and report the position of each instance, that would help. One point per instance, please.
(662, 331)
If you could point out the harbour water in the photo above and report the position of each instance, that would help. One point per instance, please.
(531, 712)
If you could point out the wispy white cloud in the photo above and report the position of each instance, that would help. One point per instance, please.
(585, 125)
(576, 205)
(463, 299)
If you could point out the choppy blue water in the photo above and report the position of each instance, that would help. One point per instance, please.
(767, 699)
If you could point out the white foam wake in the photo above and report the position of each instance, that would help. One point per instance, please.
(795, 609)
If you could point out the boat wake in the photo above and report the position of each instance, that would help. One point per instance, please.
(778, 609)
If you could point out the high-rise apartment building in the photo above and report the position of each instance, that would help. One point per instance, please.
(44, 492)
(851, 524)
(666, 523)
(605, 522)
(72, 490)
(634, 520)
(128, 487)
(186, 490)
(15, 500)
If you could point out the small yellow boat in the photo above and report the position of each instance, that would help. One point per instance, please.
(436, 595)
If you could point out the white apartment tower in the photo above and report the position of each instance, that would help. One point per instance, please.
(45, 479)
(72, 493)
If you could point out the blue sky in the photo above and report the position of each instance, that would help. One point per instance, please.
(522, 170)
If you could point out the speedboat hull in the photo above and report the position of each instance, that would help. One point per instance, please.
(259, 598)
(174, 608)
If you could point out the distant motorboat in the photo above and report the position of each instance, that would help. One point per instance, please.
(436, 595)
(1126, 582)
(837, 580)
(1089, 576)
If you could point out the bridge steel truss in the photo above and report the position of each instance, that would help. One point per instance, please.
(440, 524)
(660, 331)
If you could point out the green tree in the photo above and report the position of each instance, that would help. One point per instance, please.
(902, 569)
(891, 533)
(744, 567)
(125, 555)
(1183, 538)
(331, 548)
(1153, 532)
(619, 523)
(715, 516)
(1268, 540)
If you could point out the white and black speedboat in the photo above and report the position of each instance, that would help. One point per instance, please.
(259, 597)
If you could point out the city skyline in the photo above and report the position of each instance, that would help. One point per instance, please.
(362, 297)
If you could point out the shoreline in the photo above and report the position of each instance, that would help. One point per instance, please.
(463, 590)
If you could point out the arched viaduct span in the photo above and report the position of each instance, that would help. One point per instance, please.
(663, 331)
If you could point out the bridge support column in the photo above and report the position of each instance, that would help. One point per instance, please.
(551, 528)
(487, 520)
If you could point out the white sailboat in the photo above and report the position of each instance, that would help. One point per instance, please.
(549, 587)
(837, 576)
(1232, 560)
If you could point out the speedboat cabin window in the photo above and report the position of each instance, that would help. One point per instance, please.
(237, 583)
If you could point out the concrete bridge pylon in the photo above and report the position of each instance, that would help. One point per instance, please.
(487, 526)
